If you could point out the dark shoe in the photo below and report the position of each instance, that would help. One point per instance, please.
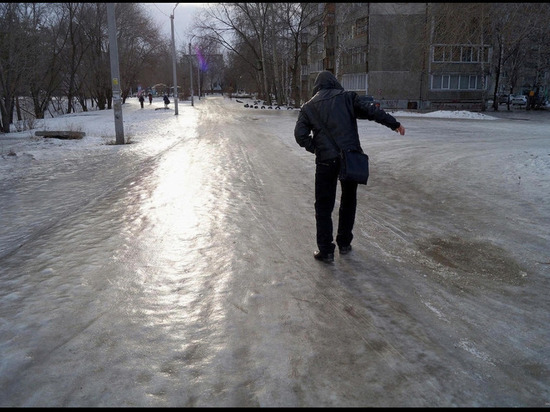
(324, 257)
(345, 249)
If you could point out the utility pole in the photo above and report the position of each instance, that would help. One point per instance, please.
(174, 63)
(117, 101)
(191, 74)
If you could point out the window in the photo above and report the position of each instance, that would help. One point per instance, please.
(355, 81)
(453, 82)
(346, 34)
(316, 66)
(445, 81)
(359, 55)
(355, 55)
(455, 53)
(438, 54)
(484, 55)
(456, 82)
(361, 26)
(467, 54)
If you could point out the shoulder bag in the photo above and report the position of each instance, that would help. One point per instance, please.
(354, 164)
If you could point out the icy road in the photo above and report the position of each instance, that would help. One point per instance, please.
(178, 270)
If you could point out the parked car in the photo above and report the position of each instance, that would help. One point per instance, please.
(518, 99)
(371, 99)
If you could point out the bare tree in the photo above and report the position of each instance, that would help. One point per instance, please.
(46, 74)
(14, 57)
(299, 23)
(94, 69)
(249, 30)
(508, 28)
(140, 48)
(466, 27)
(241, 28)
(138, 42)
(210, 64)
(76, 26)
(537, 48)
(511, 24)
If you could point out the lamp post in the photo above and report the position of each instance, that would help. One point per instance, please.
(115, 74)
(174, 63)
(191, 72)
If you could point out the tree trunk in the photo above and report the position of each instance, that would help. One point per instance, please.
(6, 107)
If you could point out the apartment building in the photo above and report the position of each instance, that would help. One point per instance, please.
(398, 54)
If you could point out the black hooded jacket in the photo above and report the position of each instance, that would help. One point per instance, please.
(338, 110)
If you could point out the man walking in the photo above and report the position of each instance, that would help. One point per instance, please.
(334, 110)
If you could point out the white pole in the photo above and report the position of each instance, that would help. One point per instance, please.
(174, 63)
(191, 74)
(117, 101)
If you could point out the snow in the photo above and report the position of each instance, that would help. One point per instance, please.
(99, 129)
(445, 114)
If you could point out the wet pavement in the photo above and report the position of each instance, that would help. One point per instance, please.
(178, 271)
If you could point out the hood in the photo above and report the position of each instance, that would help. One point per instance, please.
(326, 80)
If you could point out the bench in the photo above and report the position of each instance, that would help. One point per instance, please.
(67, 134)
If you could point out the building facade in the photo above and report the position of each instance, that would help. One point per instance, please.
(396, 53)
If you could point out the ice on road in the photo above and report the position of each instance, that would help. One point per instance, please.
(178, 270)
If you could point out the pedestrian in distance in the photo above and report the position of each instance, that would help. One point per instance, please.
(334, 110)
(141, 100)
(531, 100)
(150, 95)
(166, 101)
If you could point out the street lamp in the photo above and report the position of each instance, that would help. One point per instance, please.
(174, 63)
(199, 78)
(115, 74)
(191, 72)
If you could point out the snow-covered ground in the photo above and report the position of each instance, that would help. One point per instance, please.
(100, 132)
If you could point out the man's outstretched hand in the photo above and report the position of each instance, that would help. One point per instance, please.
(400, 130)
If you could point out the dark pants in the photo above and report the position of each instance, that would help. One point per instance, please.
(326, 180)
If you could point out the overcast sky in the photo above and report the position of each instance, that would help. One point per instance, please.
(183, 17)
